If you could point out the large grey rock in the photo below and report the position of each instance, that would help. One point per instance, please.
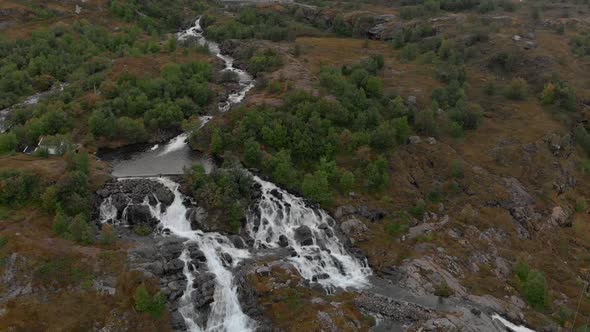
(304, 236)
(196, 217)
(164, 195)
(171, 247)
(138, 214)
(204, 289)
(354, 229)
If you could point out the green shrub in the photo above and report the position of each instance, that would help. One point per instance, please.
(457, 169)
(532, 285)
(80, 230)
(225, 193)
(8, 143)
(398, 225)
(316, 187)
(561, 94)
(252, 154)
(409, 52)
(347, 181)
(517, 89)
(418, 210)
(49, 200)
(153, 305)
(581, 205)
(443, 290)
(18, 188)
(377, 175)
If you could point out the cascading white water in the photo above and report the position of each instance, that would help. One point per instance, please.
(244, 79)
(325, 260)
(511, 326)
(321, 257)
(108, 212)
(226, 313)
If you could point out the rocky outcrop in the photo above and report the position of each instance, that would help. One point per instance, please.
(396, 310)
(159, 259)
(355, 229)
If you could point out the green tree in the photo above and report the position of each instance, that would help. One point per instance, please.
(377, 177)
(252, 153)
(216, 144)
(374, 88)
(166, 115)
(154, 305)
(283, 170)
(101, 124)
(402, 129)
(317, 187)
(347, 181)
(80, 231)
(8, 143)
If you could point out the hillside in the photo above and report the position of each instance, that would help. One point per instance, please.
(348, 165)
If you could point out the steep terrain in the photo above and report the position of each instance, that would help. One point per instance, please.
(287, 166)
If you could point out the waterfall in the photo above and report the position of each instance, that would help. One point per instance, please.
(226, 313)
(245, 80)
(282, 220)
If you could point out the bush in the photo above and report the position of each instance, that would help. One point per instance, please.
(398, 225)
(581, 204)
(561, 94)
(252, 154)
(49, 199)
(108, 235)
(532, 286)
(317, 188)
(443, 290)
(153, 305)
(18, 188)
(517, 89)
(80, 231)
(225, 193)
(347, 181)
(409, 52)
(377, 175)
(8, 143)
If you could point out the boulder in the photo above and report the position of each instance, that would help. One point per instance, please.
(559, 217)
(196, 217)
(164, 195)
(204, 289)
(304, 236)
(354, 229)
(415, 139)
(237, 241)
(283, 241)
(171, 247)
(140, 215)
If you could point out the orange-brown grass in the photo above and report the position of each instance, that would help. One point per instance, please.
(404, 78)
(290, 308)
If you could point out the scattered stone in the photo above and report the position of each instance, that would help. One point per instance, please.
(397, 310)
(415, 140)
(559, 217)
(263, 271)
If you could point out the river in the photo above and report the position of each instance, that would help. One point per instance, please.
(280, 220)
